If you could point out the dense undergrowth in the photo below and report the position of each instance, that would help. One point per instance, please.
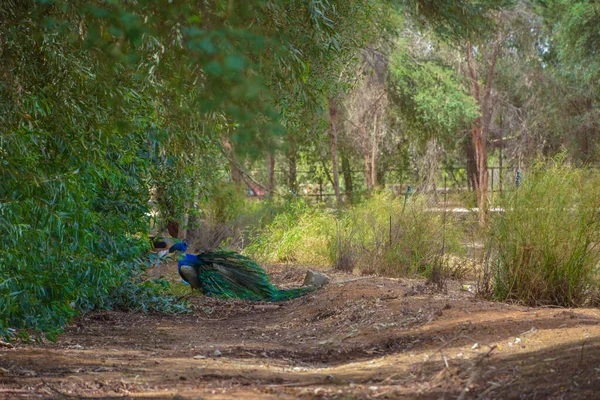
(298, 234)
(73, 220)
(383, 234)
(393, 236)
(543, 249)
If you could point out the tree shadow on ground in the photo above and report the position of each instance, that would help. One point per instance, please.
(565, 371)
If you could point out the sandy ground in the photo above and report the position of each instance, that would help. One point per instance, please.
(373, 338)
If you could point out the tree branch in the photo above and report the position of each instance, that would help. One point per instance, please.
(485, 104)
(245, 173)
(472, 73)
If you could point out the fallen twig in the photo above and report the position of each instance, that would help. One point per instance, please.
(298, 384)
(266, 307)
(213, 319)
(14, 391)
(362, 278)
(476, 374)
(494, 386)
(58, 391)
(581, 355)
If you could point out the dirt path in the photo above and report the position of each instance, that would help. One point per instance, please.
(368, 339)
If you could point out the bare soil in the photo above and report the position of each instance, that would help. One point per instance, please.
(372, 338)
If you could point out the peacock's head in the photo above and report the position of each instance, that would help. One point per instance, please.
(179, 246)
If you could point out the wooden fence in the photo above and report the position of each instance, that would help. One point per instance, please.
(449, 180)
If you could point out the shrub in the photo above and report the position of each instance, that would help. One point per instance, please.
(229, 218)
(73, 225)
(380, 235)
(216, 223)
(543, 247)
(226, 203)
(392, 236)
(298, 233)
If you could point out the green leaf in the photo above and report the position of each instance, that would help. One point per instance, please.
(213, 68)
(234, 63)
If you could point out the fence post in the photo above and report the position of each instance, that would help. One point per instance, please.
(492, 183)
(444, 217)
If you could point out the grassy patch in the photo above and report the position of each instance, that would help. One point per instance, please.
(229, 219)
(393, 236)
(544, 248)
(297, 234)
(383, 234)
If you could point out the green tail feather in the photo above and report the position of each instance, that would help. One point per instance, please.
(288, 294)
(229, 274)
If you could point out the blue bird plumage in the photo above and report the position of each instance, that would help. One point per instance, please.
(168, 246)
(179, 246)
(229, 274)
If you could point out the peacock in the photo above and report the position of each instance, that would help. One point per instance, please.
(167, 246)
(229, 274)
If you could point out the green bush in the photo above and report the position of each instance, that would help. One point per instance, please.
(72, 230)
(360, 237)
(391, 236)
(544, 246)
(298, 233)
(226, 203)
(229, 218)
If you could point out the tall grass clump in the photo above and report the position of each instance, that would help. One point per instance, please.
(228, 218)
(298, 233)
(544, 246)
(393, 236)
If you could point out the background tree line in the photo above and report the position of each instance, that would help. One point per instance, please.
(516, 86)
(107, 105)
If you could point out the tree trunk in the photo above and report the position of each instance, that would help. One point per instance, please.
(292, 171)
(381, 169)
(374, 151)
(480, 126)
(500, 171)
(347, 173)
(183, 232)
(173, 229)
(236, 174)
(366, 153)
(481, 184)
(271, 168)
(334, 158)
(472, 174)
